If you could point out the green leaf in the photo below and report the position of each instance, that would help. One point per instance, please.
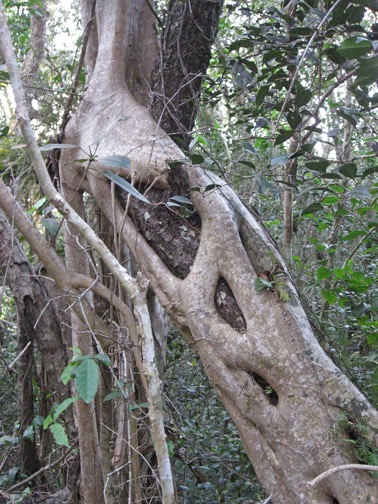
(123, 184)
(261, 283)
(182, 199)
(48, 421)
(353, 234)
(103, 358)
(350, 114)
(197, 159)
(49, 147)
(262, 92)
(113, 395)
(314, 207)
(348, 170)
(320, 165)
(87, 379)
(52, 225)
(63, 406)
(60, 435)
(69, 372)
(329, 296)
(283, 136)
(247, 163)
(134, 406)
(330, 200)
(302, 96)
(323, 273)
(368, 72)
(370, 171)
(355, 47)
(339, 273)
(116, 161)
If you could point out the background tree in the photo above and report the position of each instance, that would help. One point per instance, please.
(208, 258)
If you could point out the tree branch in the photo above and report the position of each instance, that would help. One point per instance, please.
(359, 467)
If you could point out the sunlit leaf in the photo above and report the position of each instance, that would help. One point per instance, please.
(355, 47)
(126, 186)
(60, 436)
(323, 273)
(329, 296)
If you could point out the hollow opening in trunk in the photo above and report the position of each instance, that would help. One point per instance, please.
(265, 386)
(227, 306)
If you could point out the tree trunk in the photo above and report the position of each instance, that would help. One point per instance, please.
(257, 346)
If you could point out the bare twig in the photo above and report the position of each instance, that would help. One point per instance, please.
(19, 355)
(359, 467)
(43, 469)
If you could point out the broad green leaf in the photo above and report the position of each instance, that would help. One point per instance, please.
(126, 186)
(329, 296)
(113, 395)
(330, 200)
(262, 92)
(323, 273)
(197, 159)
(339, 273)
(261, 283)
(302, 96)
(368, 72)
(52, 146)
(63, 406)
(353, 234)
(352, 115)
(52, 225)
(261, 122)
(116, 161)
(283, 136)
(348, 170)
(69, 372)
(87, 379)
(48, 421)
(320, 165)
(355, 47)
(59, 434)
(247, 163)
(314, 207)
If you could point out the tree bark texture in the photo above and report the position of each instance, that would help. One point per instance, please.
(185, 51)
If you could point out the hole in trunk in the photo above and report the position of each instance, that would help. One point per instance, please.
(335, 501)
(268, 390)
(227, 307)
